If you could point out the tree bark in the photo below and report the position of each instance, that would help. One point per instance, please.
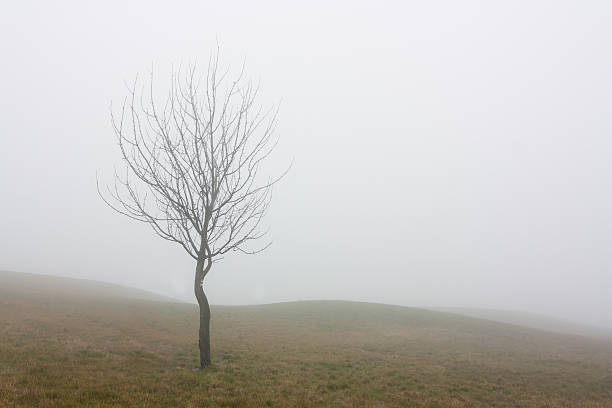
(204, 332)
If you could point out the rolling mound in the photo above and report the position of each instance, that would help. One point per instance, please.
(21, 286)
(67, 343)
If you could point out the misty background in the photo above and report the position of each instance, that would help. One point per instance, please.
(447, 154)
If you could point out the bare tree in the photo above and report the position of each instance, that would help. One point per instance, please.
(191, 168)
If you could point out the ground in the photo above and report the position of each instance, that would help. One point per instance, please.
(67, 345)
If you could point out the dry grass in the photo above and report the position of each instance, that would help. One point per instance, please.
(66, 351)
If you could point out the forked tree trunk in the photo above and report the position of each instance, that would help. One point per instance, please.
(204, 332)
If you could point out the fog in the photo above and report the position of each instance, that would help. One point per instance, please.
(446, 154)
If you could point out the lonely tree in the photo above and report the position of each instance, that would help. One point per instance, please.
(192, 168)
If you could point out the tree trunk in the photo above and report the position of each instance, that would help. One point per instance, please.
(204, 332)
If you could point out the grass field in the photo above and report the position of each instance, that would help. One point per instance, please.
(74, 343)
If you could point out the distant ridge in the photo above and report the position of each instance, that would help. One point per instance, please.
(20, 284)
(531, 320)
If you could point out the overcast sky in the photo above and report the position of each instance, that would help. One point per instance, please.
(447, 153)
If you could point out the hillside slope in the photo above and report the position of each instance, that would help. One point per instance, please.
(532, 320)
(63, 349)
(20, 285)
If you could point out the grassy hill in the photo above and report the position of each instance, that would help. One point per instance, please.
(65, 344)
(20, 286)
(533, 320)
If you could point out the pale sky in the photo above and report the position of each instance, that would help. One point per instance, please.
(445, 153)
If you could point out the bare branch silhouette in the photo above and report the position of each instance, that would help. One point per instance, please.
(192, 167)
